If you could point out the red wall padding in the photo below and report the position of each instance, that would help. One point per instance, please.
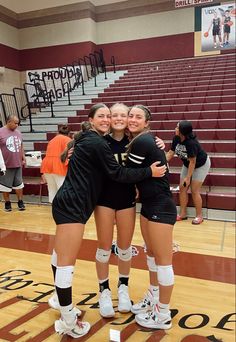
(151, 49)
(9, 57)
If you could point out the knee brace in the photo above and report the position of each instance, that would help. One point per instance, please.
(125, 254)
(64, 276)
(151, 264)
(102, 255)
(165, 275)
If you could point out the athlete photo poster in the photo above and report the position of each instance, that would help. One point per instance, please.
(218, 27)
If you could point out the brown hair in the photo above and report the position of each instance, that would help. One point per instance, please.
(146, 110)
(63, 129)
(94, 109)
(85, 126)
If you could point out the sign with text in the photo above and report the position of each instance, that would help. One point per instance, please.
(218, 27)
(184, 3)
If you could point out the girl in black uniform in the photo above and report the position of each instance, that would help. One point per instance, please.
(216, 29)
(116, 203)
(92, 161)
(158, 215)
(226, 26)
(196, 165)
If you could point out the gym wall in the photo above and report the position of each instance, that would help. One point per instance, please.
(135, 32)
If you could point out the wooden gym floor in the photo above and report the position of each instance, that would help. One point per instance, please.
(203, 301)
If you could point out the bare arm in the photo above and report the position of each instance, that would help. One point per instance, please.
(169, 155)
(23, 155)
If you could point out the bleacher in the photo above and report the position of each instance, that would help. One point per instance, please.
(201, 90)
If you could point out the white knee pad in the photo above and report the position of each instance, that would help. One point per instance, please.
(151, 264)
(64, 276)
(165, 275)
(124, 254)
(102, 255)
(54, 258)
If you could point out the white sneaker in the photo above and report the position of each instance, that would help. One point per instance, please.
(76, 329)
(105, 304)
(53, 302)
(124, 303)
(154, 319)
(144, 305)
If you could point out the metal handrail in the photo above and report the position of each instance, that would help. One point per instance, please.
(43, 91)
(113, 62)
(11, 105)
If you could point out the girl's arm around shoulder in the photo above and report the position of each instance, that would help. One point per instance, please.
(122, 174)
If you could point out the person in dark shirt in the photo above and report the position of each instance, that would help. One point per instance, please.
(216, 30)
(196, 165)
(158, 215)
(226, 27)
(116, 204)
(91, 162)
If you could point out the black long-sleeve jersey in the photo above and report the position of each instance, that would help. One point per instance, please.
(143, 152)
(91, 162)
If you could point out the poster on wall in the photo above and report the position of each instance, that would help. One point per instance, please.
(218, 27)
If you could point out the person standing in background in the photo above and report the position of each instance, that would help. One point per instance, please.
(2, 165)
(53, 169)
(196, 165)
(14, 158)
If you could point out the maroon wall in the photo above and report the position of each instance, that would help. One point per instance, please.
(136, 51)
(9, 57)
(151, 49)
(53, 56)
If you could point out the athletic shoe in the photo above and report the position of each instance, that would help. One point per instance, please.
(8, 206)
(105, 304)
(124, 303)
(145, 304)
(154, 319)
(76, 329)
(53, 302)
(21, 205)
(179, 218)
(197, 220)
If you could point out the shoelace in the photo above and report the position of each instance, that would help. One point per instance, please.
(80, 324)
(145, 300)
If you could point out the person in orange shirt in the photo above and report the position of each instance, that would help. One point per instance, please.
(53, 170)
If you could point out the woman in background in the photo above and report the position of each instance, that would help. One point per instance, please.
(52, 168)
(196, 165)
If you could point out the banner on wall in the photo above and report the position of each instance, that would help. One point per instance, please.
(184, 3)
(218, 27)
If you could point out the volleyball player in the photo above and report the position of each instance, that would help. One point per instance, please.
(91, 162)
(158, 215)
(116, 203)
